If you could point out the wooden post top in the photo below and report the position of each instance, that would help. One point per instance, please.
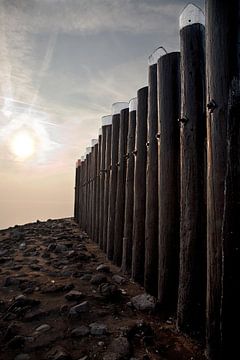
(118, 106)
(190, 15)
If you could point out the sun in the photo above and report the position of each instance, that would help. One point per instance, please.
(22, 145)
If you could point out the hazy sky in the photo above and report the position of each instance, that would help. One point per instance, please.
(62, 65)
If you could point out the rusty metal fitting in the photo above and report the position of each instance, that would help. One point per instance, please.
(211, 106)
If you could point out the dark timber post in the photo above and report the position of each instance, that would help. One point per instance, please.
(79, 191)
(192, 269)
(106, 121)
(121, 182)
(223, 102)
(102, 182)
(88, 187)
(96, 230)
(116, 108)
(151, 222)
(76, 198)
(129, 197)
(139, 210)
(81, 197)
(169, 182)
(93, 199)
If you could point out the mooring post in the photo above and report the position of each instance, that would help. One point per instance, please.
(192, 265)
(139, 209)
(121, 181)
(223, 222)
(94, 198)
(76, 189)
(79, 191)
(88, 153)
(96, 230)
(93, 181)
(151, 222)
(129, 197)
(108, 121)
(81, 195)
(105, 125)
(116, 108)
(169, 182)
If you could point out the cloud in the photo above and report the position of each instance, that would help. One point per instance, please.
(92, 15)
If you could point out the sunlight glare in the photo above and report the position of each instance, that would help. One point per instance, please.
(22, 145)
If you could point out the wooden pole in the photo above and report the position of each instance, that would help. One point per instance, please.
(121, 181)
(139, 210)
(96, 230)
(81, 197)
(128, 217)
(102, 182)
(88, 188)
(79, 191)
(222, 48)
(108, 119)
(169, 111)
(116, 108)
(94, 201)
(76, 192)
(93, 180)
(192, 269)
(151, 222)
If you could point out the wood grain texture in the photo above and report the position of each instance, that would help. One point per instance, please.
(106, 184)
(121, 185)
(169, 111)
(102, 188)
(139, 209)
(151, 222)
(96, 230)
(192, 273)
(128, 216)
(223, 20)
(113, 185)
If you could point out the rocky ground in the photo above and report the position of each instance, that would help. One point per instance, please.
(60, 299)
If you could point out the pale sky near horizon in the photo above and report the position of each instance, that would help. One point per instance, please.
(62, 65)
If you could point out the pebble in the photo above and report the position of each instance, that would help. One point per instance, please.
(43, 328)
(80, 331)
(78, 309)
(144, 302)
(86, 277)
(98, 329)
(74, 295)
(98, 279)
(103, 268)
(60, 248)
(119, 279)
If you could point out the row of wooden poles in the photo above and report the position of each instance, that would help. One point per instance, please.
(159, 190)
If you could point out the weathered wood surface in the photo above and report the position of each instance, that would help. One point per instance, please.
(106, 184)
(96, 230)
(192, 270)
(113, 185)
(76, 194)
(94, 199)
(223, 19)
(102, 182)
(169, 182)
(139, 211)
(128, 217)
(151, 222)
(121, 181)
(222, 52)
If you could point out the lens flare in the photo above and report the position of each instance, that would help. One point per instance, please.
(22, 145)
